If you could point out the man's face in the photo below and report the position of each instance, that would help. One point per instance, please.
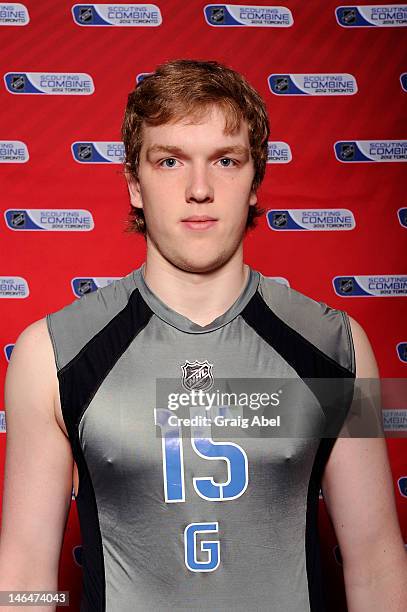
(194, 169)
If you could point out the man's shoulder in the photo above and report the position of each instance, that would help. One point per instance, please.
(327, 328)
(75, 324)
(291, 304)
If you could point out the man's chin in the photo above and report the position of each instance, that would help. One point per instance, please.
(203, 264)
(197, 259)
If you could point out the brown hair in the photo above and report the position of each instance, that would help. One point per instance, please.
(183, 87)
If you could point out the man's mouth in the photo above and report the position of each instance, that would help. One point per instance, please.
(199, 222)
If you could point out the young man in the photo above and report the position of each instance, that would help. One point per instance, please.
(171, 522)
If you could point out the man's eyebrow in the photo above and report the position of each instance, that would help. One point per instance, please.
(234, 149)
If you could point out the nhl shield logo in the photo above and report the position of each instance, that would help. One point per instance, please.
(281, 84)
(346, 285)
(17, 82)
(85, 151)
(347, 151)
(279, 219)
(85, 14)
(349, 15)
(197, 375)
(17, 218)
(217, 14)
(85, 286)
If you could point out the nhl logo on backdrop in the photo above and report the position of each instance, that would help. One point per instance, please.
(349, 15)
(85, 151)
(85, 14)
(217, 14)
(17, 218)
(347, 151)
(346, 285)
(197, 375)
(279, 219)
(17, 82)
(282, 83)
(85, 286)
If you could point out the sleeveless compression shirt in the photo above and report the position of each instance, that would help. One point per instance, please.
(171, 522)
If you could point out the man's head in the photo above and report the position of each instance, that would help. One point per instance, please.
(195, 136)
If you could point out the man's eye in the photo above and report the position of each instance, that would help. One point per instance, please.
(227, 159)
(171, 162)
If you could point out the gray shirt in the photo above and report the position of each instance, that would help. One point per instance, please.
(171, 517)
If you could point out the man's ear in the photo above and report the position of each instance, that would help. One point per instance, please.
(133, 185)
(253, 198)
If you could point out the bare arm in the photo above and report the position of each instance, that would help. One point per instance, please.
(38, 469)
(358, 491)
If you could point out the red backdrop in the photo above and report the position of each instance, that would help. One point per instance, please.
(359, 200)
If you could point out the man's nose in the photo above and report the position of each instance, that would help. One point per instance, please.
(199, 186)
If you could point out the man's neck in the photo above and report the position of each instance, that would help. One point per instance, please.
(200, 297)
